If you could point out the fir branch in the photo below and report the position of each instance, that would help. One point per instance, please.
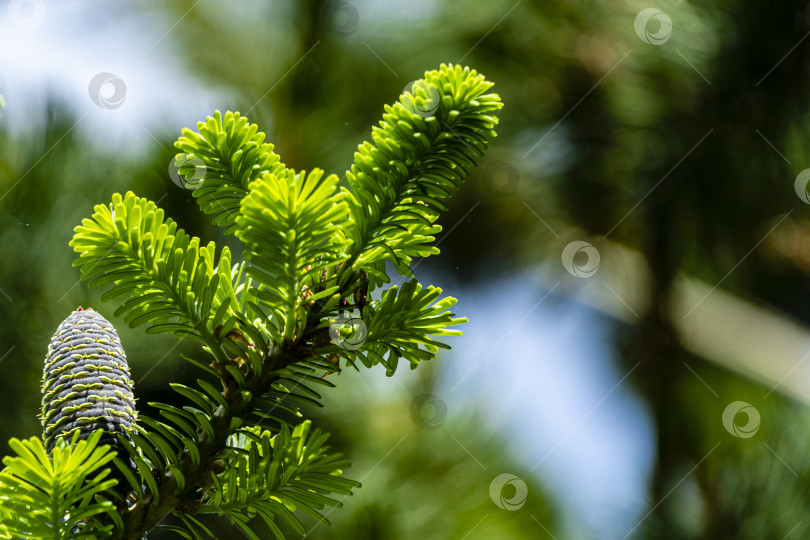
(234, 154)
(420, 154)
(161, 274)
(57, 496)
(292, 226)
(398, 326)
(312, 252)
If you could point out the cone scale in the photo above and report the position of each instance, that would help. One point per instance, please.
(86, 383)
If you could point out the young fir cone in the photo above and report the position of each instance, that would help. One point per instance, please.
(86, 384)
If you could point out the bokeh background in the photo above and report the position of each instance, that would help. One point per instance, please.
(632, 253)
